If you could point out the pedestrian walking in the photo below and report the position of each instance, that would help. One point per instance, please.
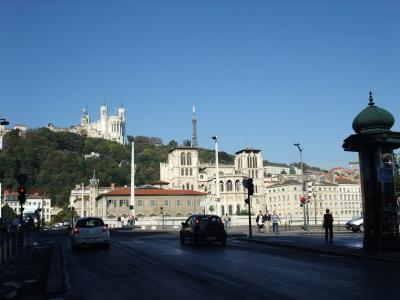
(227, 221)
(260, 222)
(275, 221)
(267, 221)
(328, 225)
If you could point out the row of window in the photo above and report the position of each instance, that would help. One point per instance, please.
(186, 159)
(251, 162)
(153, 203)
(186, 172)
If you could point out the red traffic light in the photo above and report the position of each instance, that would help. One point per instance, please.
(302, 199)
(21, 190)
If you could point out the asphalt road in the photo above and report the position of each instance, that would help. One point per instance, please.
(149, 266)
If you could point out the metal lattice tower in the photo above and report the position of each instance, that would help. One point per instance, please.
(194, 129)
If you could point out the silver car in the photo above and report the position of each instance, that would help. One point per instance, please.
(90, 231)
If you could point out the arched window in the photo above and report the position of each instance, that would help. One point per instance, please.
(189, 159)
(255, 161)
(190, 172)
(230, 210)
(252, 173)
(187, 186)
(237, 185)
(183, 186)
(221, 186)
(222, 210)
(191, 187)
(183, 160)
(229, 185)
(248, 162)
(238, 209)
(186, 171)
(182, 172)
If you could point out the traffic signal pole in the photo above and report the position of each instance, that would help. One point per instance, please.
(250, 231)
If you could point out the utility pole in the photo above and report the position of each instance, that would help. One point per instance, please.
(215, 138)
(305, 207)
(132, 205)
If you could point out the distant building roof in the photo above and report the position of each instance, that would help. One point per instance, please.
(182, 148)
(160, 182)
(248, 150)
(344, 180)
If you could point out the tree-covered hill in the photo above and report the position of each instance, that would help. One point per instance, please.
(55, 162)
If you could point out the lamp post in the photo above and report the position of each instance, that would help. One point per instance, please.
(215, 138)
(305, 207)
(162, 215)
(132, 198)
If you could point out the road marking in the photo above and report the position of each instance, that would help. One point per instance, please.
(279, 240)
(11, 295)
(13, 284)
(331, 256)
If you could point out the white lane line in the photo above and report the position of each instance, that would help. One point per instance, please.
(280, 240)
(331, 256)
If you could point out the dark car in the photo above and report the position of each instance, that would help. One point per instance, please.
(207, 228)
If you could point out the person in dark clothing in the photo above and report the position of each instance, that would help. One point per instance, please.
(328, 225)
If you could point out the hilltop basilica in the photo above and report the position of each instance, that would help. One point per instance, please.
(108, 127)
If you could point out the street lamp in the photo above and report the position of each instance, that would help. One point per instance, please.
(305, 208)
(132, 203)
(162, 214)
(215, 138)
(4, 122)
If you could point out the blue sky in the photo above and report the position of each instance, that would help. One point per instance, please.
(264, 74)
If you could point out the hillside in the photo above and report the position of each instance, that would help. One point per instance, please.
(55, 162)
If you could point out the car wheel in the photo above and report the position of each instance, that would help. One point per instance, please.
(107, 246)
(182, 239)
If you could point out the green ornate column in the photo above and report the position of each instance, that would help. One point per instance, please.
(374, 141)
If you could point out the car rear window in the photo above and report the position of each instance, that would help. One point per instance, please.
(209, 220)
(89, 223)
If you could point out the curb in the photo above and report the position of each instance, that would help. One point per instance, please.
(55, 277)
(324, 251)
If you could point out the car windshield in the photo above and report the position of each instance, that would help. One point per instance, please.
(87, 223)
(209, 219)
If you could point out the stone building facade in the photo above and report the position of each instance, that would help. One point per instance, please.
(174, 203)
(183, 170)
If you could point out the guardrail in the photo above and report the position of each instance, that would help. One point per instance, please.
(11, 242)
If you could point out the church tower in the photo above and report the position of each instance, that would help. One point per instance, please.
(194, 129)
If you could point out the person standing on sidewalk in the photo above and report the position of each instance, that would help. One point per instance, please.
(328, 225)
(267, 221)
(275, 221)
(260, 222)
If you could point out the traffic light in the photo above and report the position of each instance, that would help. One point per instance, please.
(302, 200)
(21, 195)
(310, 190)
(248, 184)
(247, 200)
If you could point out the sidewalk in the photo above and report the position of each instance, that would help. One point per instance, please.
(344, 243)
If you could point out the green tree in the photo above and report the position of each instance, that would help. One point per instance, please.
(7, 212)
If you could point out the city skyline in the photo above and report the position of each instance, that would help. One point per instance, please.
(264, 75)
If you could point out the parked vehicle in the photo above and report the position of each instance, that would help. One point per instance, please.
(90, 231)
(207, 228)
(356, 225)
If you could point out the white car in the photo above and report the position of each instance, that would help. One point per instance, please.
(356, 225)
(90, 231)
